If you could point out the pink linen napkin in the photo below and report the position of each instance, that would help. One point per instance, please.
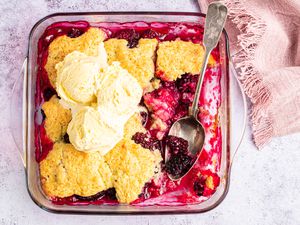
(265, 42)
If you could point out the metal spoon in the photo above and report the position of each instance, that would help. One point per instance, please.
(189, 128)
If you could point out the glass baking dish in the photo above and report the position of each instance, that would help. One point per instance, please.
(232, 114)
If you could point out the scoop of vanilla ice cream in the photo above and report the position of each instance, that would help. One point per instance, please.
(118, 95)
(89, 132)
(76, 76)
(101, 127)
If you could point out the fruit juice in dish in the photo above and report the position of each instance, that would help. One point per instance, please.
(164, 103)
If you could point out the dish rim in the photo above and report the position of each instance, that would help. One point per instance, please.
(26, 96)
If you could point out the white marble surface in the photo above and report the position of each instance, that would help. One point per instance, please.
(265, 185)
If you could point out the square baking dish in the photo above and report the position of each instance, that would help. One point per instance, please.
(23, 104)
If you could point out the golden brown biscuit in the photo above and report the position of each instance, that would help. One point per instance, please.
(127, 167)
(133, 125)
(66, 171)
(139, 61)
(175, 58)
(132, 166)
(57, 119)
(87, 43)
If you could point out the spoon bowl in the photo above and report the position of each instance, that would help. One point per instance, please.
(190, 129)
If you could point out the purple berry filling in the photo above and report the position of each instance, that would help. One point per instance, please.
(146, 141)
(167, 104)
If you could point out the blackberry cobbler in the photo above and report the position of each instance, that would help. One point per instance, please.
(106, 98)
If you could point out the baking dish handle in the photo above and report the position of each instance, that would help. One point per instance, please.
(18, 112)
(239, 122)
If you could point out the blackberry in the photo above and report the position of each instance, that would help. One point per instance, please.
(150, 190)
(74, 33)
(178, 164)
(43, 114)
(111, 193)
(146, 141)
(130, 35)
(150, 34)
(177, 144)
(48, 93)
(66, 138)
(199, 186)
(90, 198)
(187, 83)
(132, 43)
(180, 111)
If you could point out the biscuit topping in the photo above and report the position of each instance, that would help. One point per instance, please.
(113, 94)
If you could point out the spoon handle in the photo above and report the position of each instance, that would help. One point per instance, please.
(214, 24)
